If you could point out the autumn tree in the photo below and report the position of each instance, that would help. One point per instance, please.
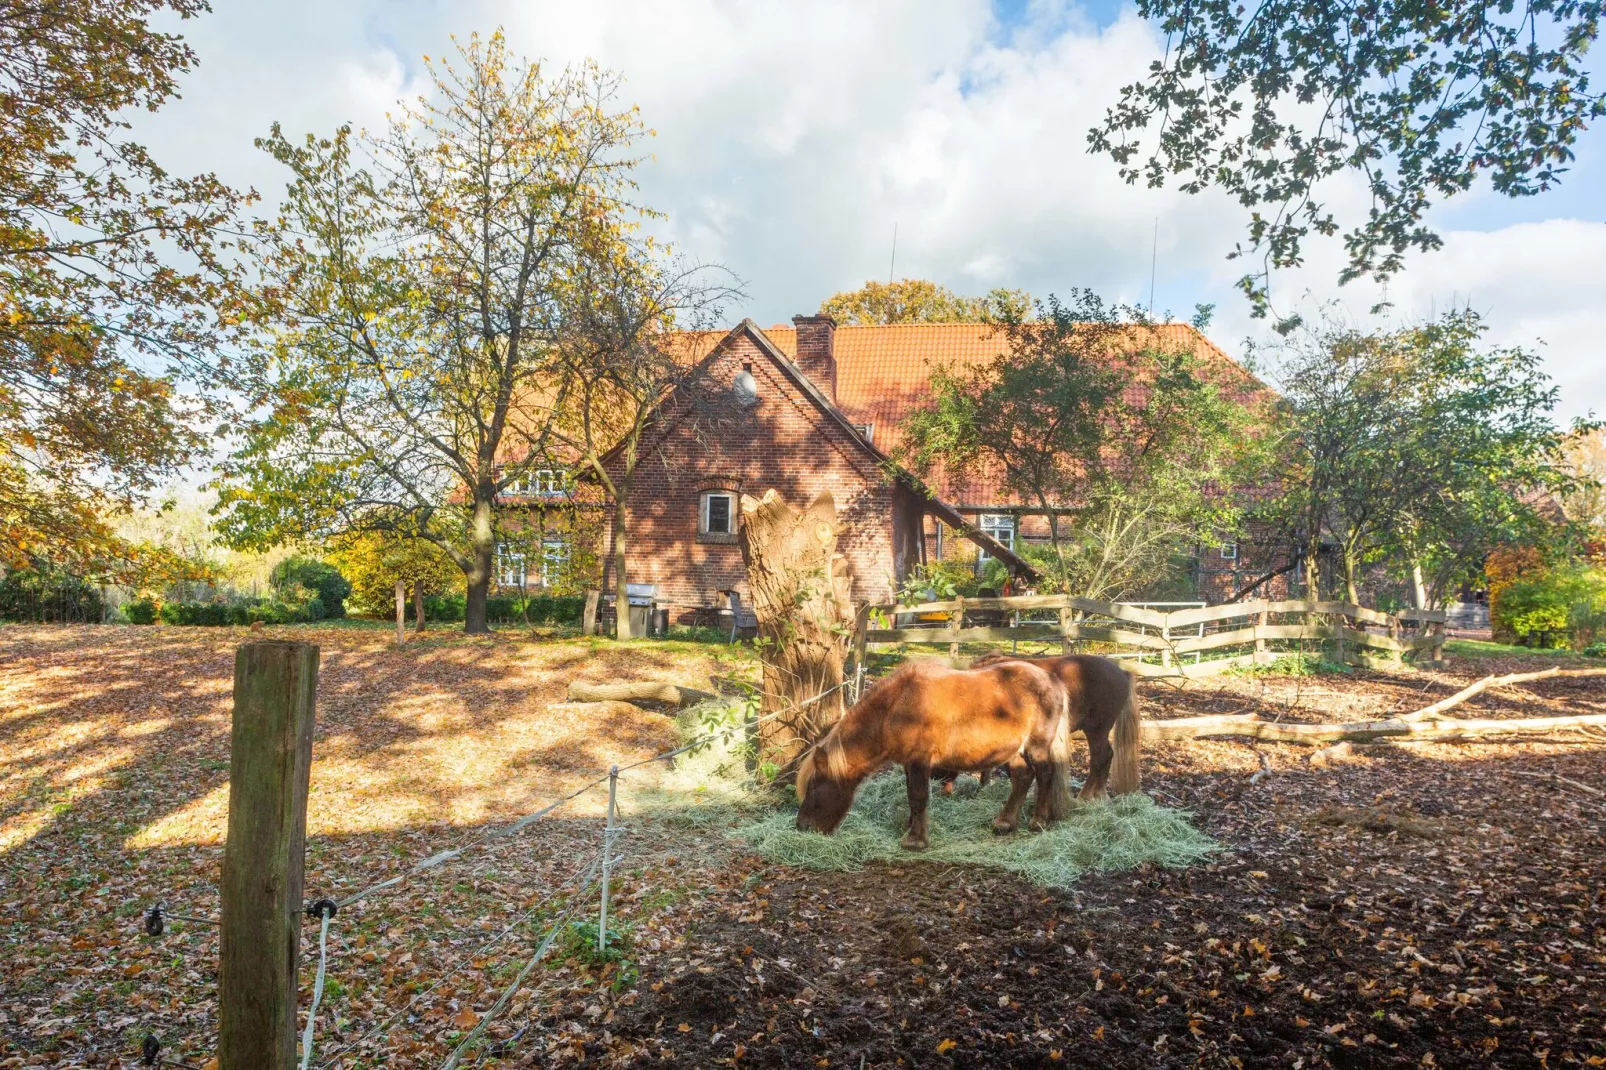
(922, 301)
(1275, 103)
(115, 283)
(1107, 431)
(628, 344)
(418, 282)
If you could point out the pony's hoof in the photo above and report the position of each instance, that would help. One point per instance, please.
(1002, 827)
(911, 842)
(1037, 824)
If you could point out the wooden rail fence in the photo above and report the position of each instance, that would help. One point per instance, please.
(1240, 633)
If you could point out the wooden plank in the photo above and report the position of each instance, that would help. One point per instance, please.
(1437, 616)
(1205, 614)
(270, 761)
(944, 636)
(1034, 632)
(1131, 614)
(1033, 601)
(1215, 640)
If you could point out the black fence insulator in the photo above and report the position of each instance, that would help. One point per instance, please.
(153, 927)
(319, 908)
(151, 1050)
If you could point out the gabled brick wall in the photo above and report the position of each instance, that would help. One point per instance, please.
(784, 442)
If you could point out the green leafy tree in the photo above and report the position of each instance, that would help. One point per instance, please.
(1114, 437)
(1419, 446)
(1271, 102)
(922, 301)
(114, 277)
(410, 365)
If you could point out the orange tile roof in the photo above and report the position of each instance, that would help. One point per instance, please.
(884, 372)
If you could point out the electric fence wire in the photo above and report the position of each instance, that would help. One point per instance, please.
(442, 857)
(456, 967)
(325, 912)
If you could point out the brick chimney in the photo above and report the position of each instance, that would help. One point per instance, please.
(816, 351)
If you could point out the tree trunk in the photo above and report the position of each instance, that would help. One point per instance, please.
(418, 606)
(401, 611)
(621, 580)
(482, 548)
(1350, 567)
(800, 596)
(1313, 570)
(1419, 588)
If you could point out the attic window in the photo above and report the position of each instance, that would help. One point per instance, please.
(716, 516)
(866, 432)
(1229, 551)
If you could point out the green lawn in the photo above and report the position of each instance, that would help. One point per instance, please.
(1478, 648)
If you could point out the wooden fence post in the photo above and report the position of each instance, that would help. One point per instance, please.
(1262, 620)
(955, 622)
(401, 611)
(270, 760)
(1065, 629)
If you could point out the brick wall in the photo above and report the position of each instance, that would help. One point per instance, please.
(783, 442)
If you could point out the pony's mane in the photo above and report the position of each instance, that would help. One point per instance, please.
(836, 763)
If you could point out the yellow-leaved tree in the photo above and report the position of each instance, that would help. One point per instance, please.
(417, 288)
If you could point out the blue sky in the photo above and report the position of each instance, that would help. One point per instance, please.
(792, 138)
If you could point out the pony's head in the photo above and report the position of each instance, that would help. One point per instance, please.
(824, 791)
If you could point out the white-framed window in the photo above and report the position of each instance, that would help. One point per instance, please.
(541, 483)
(866, 432)
(716, 513)
(1001, 526)
(554, 560)
(510, 566)
(1229, 551)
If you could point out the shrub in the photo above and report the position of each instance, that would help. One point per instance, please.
(1561, 606)
(140, 611)
(319, 578)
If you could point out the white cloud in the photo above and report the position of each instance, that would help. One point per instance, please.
(791, 138)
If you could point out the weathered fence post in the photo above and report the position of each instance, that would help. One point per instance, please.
(1262, 619)
(861, 625)
(607, 860)
(956, 622)
(270, 761)
(1165, 651)
(401, 611)
(1065, 629)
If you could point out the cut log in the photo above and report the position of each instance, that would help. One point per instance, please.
(637, 691)
(800, 590)
(1428, 712)
(1248, 726)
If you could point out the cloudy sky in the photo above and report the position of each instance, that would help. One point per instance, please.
(792, 138)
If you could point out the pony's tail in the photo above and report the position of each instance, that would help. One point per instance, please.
(1124, 776)
(1059, 755)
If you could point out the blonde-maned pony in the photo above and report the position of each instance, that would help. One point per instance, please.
(926, 715)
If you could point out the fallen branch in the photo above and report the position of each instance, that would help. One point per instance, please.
(1558, 778)
(1428, 712)
(1251, 727)
(637, 691)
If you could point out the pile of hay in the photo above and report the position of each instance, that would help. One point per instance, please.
(713, 788)
(1126, 832)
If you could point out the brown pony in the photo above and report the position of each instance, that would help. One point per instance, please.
(1101, 696)
(927, 715)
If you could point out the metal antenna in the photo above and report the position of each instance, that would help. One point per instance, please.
(1154, 252)
(892, 267)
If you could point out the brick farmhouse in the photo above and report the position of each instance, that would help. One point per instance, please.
(814, 407)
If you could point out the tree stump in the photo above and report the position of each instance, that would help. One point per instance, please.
(800, 588)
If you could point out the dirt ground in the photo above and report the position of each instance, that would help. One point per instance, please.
(1423, 905)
